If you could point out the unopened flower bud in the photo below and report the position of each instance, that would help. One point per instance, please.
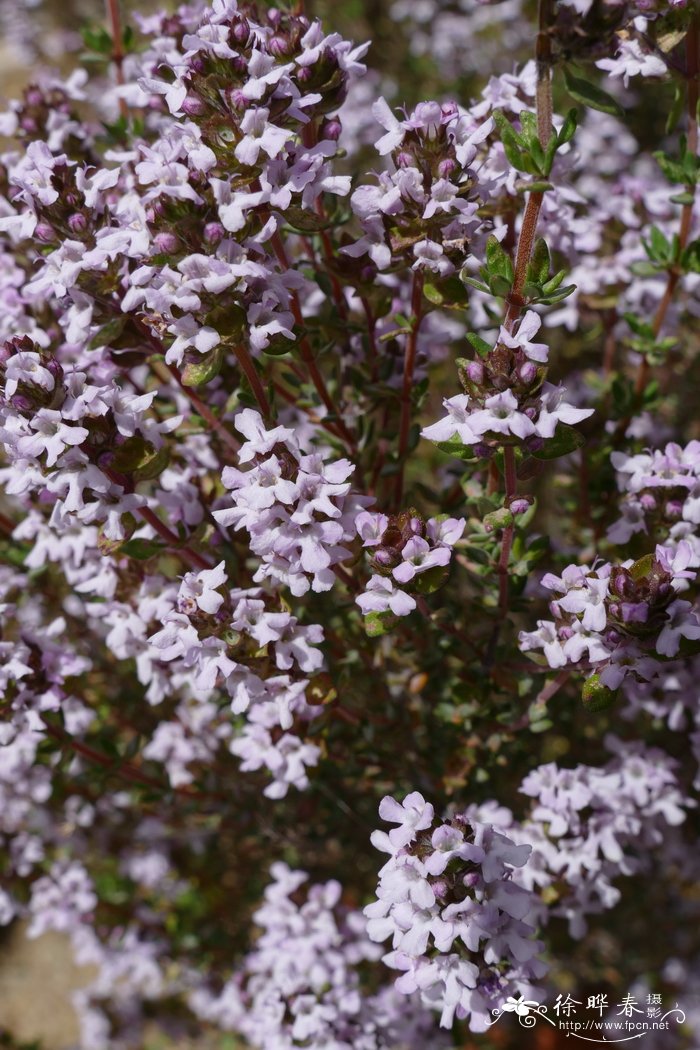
(519, 505)
(440, 888)
(647, 501)
(527, 373)
(240, 31)
(331, 130)
(279, 45)
(446, 167)
(77, 223)
(674, 508)
(105, 459)
(404, 159)
(194, 106)
(166, 242)
(213, 233)
(237, 99)
(22, 403)
(482, 451)
(45, 232)
(54, 367)
(34, 96)
(475, 372)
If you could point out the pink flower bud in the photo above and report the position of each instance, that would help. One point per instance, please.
(166, 242)
(475, 372)
(77, 223)
(193, 106)
(528, 372)
(45, 232)
(331, 130)
(446, 167)
(213, 233)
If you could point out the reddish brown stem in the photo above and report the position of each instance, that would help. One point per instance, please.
(6, 524)
(115, 21)
(193, 559)
(407, 385)
(526, 243)
(199, 406)
(249, 370)
(125, 770)
(692, 46)
(307, 353)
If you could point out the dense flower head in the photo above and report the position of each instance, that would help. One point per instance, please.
(619, 618)
(457, 920)
(297, 509)
(403, 547)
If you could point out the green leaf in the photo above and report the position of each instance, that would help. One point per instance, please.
(568, 128)
(683, 198)
(690, 260)
(132, 454)
(379, 623)
(553, 283)
(591, 95)
(197, 373)
(305, 221)
(500, 286)
(96, 38)
(108, 333)
(153, 465)
(642, 567)
(433, 295)
(566, 439)
(659, 248)
(639, 327)
(141, 549)
(497, 259)
(559, 296)
(672, 169)
(430, 581)
(596, 696)
(455, 447)
(474, 283)
(480, 345)
(676, 109)
(538, 269)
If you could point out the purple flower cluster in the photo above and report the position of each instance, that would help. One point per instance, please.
(507, 400)
(661, 494)
(589, 825)
(300, 986)
(297, 509)
(618, 619)
(457, 919)
(407, 551)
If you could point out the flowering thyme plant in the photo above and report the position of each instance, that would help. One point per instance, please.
(349, 465)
